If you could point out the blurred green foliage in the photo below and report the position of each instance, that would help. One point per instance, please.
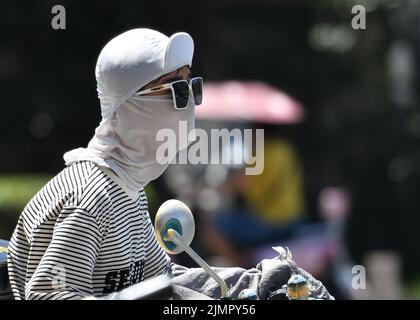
(15, 191)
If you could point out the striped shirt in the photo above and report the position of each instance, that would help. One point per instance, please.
(83, 234)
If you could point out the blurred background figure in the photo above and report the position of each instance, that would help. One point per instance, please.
(264, 208)
(339, 107)
(261, 208)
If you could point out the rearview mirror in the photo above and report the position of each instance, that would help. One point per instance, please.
(174, 214)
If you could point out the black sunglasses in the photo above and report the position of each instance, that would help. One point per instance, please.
(180, 91)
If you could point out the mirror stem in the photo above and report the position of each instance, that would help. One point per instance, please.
(174, 236)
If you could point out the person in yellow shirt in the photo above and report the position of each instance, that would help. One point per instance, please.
(266, 208)
(276, 195)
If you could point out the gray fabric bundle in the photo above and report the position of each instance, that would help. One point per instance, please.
(267, 278)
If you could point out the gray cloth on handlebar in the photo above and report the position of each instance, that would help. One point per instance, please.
(266, 278)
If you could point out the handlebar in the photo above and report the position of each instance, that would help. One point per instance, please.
(159, 288)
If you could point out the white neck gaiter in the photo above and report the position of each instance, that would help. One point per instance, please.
(125, 140)
(127, 143)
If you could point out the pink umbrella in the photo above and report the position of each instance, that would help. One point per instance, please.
(248, 101)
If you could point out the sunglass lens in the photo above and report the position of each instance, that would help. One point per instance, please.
(182, 93)
(197, 88)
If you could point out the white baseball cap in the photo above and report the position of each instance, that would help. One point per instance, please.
(134, 58)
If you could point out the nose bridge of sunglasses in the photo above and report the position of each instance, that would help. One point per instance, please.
(157, 88)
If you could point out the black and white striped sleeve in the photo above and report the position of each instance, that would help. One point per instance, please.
(66, 269)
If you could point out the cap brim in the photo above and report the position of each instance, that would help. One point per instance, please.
(179, 52)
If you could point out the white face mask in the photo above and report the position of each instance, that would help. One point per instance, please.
(127, 143)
